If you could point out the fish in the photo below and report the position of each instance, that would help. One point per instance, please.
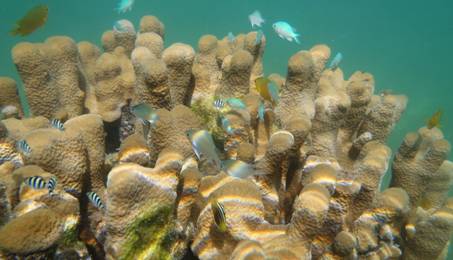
(35, 182)
(286, 31)
(219, 104)
(336, 61)
(203, 145)
(231, 37)
(259, 37)
(261, 110)
(57, 124)
(146, 113)
(256, 19)
(23, 147)
(95, 200)
(226, 125)
(218, 211)
(124, 6)
(238, 168)
(123, 26)
(235, 103)
(267, 89)
(31, 21)
(51, 184)
(434, 120)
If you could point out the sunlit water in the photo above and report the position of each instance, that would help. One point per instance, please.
(406, 45)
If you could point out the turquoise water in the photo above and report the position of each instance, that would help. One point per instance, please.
(406, 45)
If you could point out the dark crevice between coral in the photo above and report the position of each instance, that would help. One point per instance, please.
(112, 138)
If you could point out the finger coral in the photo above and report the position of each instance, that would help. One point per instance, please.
(216, 167)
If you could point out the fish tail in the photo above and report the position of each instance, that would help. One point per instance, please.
(296, 38)
(15, 31)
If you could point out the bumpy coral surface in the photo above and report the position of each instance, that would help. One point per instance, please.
(300, 177)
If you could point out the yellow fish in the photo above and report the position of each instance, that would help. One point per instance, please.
(219, 215)
(267, 89)
(35, 18)
(434, 121)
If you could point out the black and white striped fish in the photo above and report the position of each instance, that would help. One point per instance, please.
(95, 199)
(57, 124)
(23, 147)
(219, 215)
(36, 182)
(51, 184)
(219, 104)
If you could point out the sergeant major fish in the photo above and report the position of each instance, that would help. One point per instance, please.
(286, 31)
(218, 212)
(51, 184)
(95, 200)
(35, 182)
(23, 147)
(57, 124)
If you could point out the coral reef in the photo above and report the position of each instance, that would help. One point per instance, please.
(300, 177)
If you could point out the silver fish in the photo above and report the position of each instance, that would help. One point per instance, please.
(36, 182)
(203, 146)
(95, 199)
(57, 124)
(239, 169)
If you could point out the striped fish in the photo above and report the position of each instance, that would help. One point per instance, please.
(36, 182)
(95, 199)
(219, 104)
(52, 184)
(23, 147)
(219, 215)
(57, 124)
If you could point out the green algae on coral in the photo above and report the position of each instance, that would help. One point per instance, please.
(150, 236)
(209, 117)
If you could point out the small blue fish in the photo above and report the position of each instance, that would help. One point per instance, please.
(51, 184)
(235, 103)
(218, 211)
(231, 37)
(146, 113)
(336, 61)
(226, 125)
(23, 147)
(36, 182)
(261, 110)
(95, 200)
(286, 31)
(57, 124)
(259, 37)
(238, 168)
(219, 104)
(203, 146)
(124, 6)
(256, 19)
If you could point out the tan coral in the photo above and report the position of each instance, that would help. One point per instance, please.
(10, 94)
(152, 41)
(236, 71)
(150, 23)
(116, 38)
(205, 69)
(134, 149)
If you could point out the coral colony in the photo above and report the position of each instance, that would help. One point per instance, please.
(212, 166)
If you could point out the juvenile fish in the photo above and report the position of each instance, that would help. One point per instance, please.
(336, 61)
(219, 215)
(219, 104)
(35, 18)
(434, 120)
(57, 124)
(238, 168)
(146, 113)
(267, 89)
(286, 31)
(23, 147)
(235, 103)
(256, 19)
(203, 145)
(95, 200)
(124, 6)
(51, 184)
(226, 125)
(36, 182)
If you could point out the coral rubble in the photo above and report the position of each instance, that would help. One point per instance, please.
(313, 160)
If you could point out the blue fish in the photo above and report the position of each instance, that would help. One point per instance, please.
(261, 110)
(235, 103)
(124, 6)
(57, 124)
(51, 184)
(23, 147)
(259, 37)
(226, 125)
(231, 37)
(95, 200)
(273, 90)
(286, 31)
(336, 61)
(238, 168)
(203, 146)
(36, 182)
(256, 19)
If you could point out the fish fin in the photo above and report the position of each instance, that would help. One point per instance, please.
(296, 38)
(289, 39)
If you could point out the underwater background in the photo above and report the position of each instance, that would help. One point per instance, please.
(406, 45)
